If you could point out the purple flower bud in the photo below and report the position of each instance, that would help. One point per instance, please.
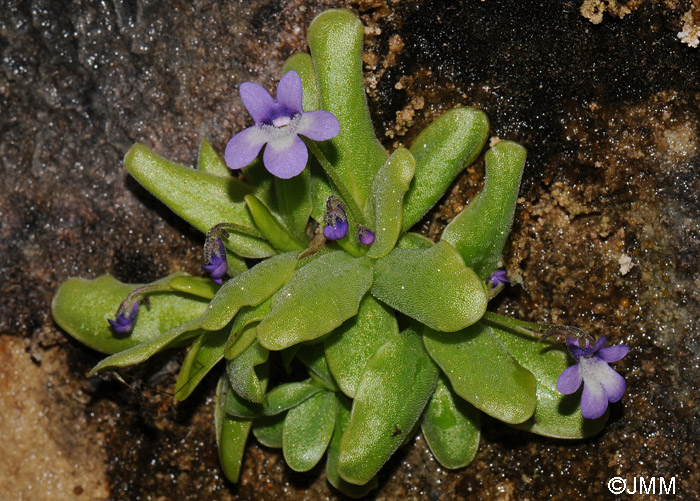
(365, 235)
(497, 278)
(217, 265)
(124, 322)
(601, 384)
(336, 226)
(278, 124)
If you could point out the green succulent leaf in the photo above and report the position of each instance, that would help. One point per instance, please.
(202, 199)
(386, 200)
(452, 427)
(209, 161)
(241, 342)
(483, 373)
(307, 430)
(257, 176)
(249, 289)
(144, 351)
(195, 286)
(269, 429)
(556, 415)
(288, 395)
(314, 358)
(231, 434)
(395, 388)
(203, 355)
(81, 307)
(317, 299)
(238, 406)
(294, 202)
(335, 40)
(432, 286)
(352, 344)
(442, 150)
(271, 228)
(480, 231)
(412, 240)
(341, 422)
(287, 355)
(247, 372)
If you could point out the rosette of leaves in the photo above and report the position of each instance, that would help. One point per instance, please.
(391, 337)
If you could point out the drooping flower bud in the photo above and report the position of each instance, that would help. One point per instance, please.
(365, 235)
(336, 220)
(125, 321)
(217, 265)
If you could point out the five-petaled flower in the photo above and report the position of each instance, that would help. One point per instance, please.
(601, 384)
(279, 124)
(125, 321)
(217, 265)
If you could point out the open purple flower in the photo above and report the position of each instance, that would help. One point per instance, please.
(497, 278)
(125, 321)
(601, 384)
(279, 124)
(217, 265)
(336, 221)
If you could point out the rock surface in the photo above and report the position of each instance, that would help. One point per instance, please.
(607, 232)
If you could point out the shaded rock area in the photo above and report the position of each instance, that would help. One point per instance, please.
(607, 231)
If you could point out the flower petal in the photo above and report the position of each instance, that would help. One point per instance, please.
(599, 344)
(244, 147)
(613, 353)
(612, 383)
(318, 125)
(337, 231)
(575, 348)
(258, 102)
(286, 158)
(593, 400)
(570, 380)
(290, 93)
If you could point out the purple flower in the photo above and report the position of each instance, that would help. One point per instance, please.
(336, 226)
(601, 384)
(497, 278)
(125, 322)
(279, 124)
(365, 235)
(217, 265)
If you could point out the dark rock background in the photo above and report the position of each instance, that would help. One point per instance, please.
(610, 114)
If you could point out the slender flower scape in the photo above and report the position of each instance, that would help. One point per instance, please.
(279, 124)
(217, 265)
(336, 226)
(365, 235)
(498, 277)
(124, 322)
(601, 384)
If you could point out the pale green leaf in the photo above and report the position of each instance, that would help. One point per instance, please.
(432, 286)
(317, 299)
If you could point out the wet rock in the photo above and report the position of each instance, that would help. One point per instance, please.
(607, 232)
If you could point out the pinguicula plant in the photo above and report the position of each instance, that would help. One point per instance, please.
(374, 331)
